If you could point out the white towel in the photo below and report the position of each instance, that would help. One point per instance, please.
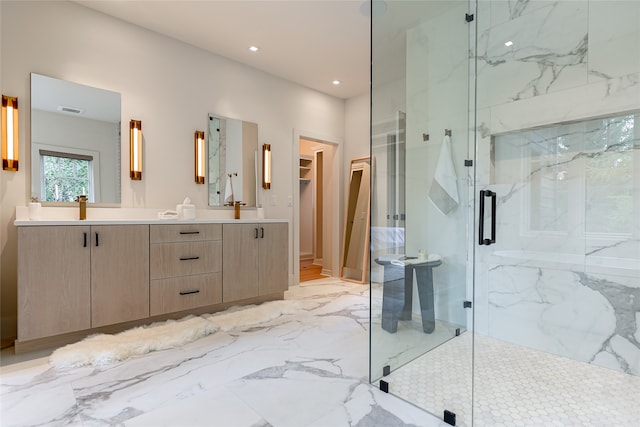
(444, 190)
(228, 191)
(408, 261)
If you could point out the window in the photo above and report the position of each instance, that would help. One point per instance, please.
(575, 179)
(65, 176)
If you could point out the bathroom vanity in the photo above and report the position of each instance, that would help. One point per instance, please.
(81, 277)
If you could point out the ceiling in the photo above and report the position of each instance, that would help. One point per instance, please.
(309, 42)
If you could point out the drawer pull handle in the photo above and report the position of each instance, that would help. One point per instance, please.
(189, 232)
(85, 240)
(189, 258)
(189, 292)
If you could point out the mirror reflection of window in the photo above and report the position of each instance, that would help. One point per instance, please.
(72, 118)
(66, 176)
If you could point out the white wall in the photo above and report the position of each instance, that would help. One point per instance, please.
(357, 132)
(64, 133)
(168, 85)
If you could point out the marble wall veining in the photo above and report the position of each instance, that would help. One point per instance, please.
(564, 275)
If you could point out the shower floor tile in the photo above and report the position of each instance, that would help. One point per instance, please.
(516, 386)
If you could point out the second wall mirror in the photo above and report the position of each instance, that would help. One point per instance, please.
(232, 171)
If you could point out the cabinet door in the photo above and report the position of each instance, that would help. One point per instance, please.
(239, 261)
(274, 258)
(119, 273)
(53, 281)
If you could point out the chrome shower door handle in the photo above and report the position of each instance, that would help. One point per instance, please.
(481, 239)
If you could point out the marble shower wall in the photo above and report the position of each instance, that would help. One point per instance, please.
(438, 99)
(564, 275)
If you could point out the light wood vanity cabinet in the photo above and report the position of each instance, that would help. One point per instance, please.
(54, 273)
(255, 260)
(186, 267)
(72, 278)
(119, 273)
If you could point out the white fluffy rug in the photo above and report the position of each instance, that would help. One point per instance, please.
(105, 349)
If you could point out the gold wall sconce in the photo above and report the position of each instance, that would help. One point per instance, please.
(199, 147)
(135, 150)
(266, 166)
(9, 133)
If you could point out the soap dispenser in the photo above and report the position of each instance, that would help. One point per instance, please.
(82, 200)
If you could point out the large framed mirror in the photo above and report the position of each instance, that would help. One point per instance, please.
(75, 142)
(355, 244)
(233, 165)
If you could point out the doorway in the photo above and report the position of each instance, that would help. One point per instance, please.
(315, 165)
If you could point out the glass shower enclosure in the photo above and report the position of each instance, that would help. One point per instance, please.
(505, 209)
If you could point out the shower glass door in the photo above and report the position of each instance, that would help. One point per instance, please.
(557, 291)
(421, 176)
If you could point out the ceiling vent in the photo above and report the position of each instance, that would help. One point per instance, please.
(70, 110)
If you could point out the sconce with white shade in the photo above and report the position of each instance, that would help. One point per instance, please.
(9, 133)
(266, 166)
(135, 150)
(199, 147)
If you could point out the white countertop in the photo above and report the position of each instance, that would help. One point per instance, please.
(124, 216)
(30, 222)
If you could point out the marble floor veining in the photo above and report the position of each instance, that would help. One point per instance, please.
(308, 368)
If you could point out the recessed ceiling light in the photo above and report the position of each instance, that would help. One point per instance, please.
(254, 48)
(509, 43)
(336, 82)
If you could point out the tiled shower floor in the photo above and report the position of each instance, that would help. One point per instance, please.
(516, 386)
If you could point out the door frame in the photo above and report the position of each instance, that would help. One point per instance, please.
(334, 195)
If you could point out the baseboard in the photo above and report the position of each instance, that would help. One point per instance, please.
(7, 343)
(63, 339)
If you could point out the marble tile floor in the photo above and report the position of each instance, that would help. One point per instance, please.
(516, 386)
(304, 369)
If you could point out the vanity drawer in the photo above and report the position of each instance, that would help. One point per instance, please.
(185, 259)
(184, 232)
(184, 293)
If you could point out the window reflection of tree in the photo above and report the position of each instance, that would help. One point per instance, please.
(66, 176)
